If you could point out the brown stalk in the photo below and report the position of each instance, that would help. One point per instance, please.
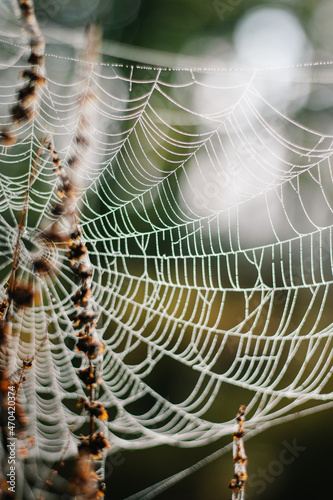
(22, 111)
(237, 483)
(21, 228)
(28, 95)
(85, 317)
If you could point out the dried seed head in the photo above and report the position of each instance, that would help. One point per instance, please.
(95, 409)
(58, 209)
(3, 307)
(71, 161)
(83, 270)
(33, 76)
(76, 234)
(65, 188)
(94, 445)
(35, 59)
(21, 420)
(90, 346)
(89, 376)
(81, 296)
(27, 363)
(84, 318)
(26, 7)
(77, 250)
(238, 434)
(101, 487)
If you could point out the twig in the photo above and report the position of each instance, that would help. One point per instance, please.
(237, 484)
(23, 110)
(21, 228)
(86, 316)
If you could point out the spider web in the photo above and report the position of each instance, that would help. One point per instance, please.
(206, 207)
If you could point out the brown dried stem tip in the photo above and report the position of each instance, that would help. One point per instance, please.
(237, 484)
(23, 109)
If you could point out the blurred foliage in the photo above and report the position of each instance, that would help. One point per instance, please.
(162, 25)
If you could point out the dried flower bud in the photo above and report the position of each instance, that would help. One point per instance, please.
(95, 409)
(89, 376)
(33, 76)
(83, 270)
(27, 363)
(76, 234)
(76, 250)
(26, 7)
(84, 318)
(90, 346)
(81, 296)
(35, 59)
(94, 445)
(3, 307)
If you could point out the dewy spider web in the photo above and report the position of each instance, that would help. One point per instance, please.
(206, 208)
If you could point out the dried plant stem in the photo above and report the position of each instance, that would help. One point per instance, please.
(31, 26)
(21, 228)
(92, 419)
(86, 316)
(22, 111)
(237, 484)
(28, 96)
